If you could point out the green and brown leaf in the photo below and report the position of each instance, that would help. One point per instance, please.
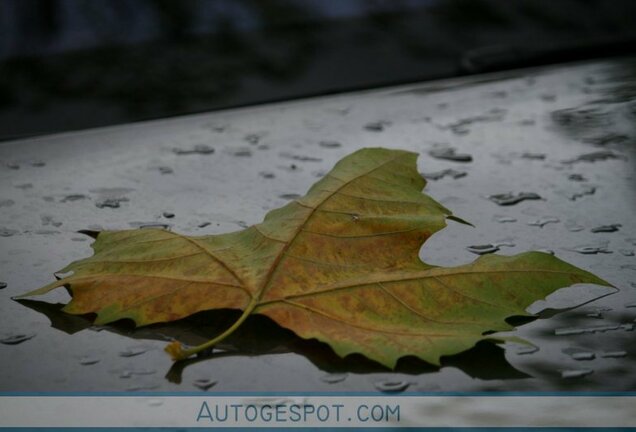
(340, 265)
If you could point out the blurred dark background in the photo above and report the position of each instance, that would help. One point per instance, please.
(73, 64)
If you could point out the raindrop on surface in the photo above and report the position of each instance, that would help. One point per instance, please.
(606, 228)
(3, 285)
(482, 249)
(13, 165)
(631, 305)
(165, 170)
(150, 225)
(24, 186)
(575, 373)
(626, 252)
(128, 373)
(204, 224)
(266, 174)
(504, 219)
(450, 154)
(73, 198)
(569, 331)
(204, 383)
(289, 196)
(110, 202)
(525, 350)
(594, 157)
(142, 387)
(334, 378)
(614, 354)
(510, 198)
(592, 249)
(329, 144)
(87, 361)
(17, 338)
(596, 315)
(583, 356)
(391, 386)
(573, 227)
(198, 149)
(242, 152)
(576, 177)
(454, 174)
(377, 126)
(168, 215)
(132, 352)
(547, 251)
(6, 203)
(533, 156)
(543, 221)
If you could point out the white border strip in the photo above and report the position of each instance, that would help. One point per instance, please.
(317, 411)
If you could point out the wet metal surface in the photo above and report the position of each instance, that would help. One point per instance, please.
(564, 134)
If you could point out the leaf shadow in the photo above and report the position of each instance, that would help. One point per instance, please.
(259, 335)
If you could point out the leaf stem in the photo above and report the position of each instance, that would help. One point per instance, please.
(178, 352)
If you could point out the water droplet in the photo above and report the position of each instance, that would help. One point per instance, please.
(204, 224)
(548, 97)
(110, 202)
(3, 285)
(168, 215)
(6, 203)
(592, 249)
(482, 249)
(6, 232)
(253, 138)
(329, 144)
(504, 219)
(444, 173)
(576, 177)
(510, 198)
(594, 157)
(155, 402)
(611, 138)
(87, 361)
(533, 156)
(631, 305)
(300, 158)
(13, 165)
(355, 217)
(132, 351)
(204, 383)
(525, 350)
(142, 387)
(289, 196)
(631, 240)
(606, 228)
(198, 149)
(377, 126)
(73, 197)
(627, 327)
(242, 152)
(596, 315)
(614, 354)
(392, 386)
(547, 251)
(582, 356)
(541, 222)
(573, 227)
(449, 153)
(17, 338)
(575, 373)
(267, 174)
(569, 331)
(626, 252)
(165, 170)
(128, 373)
(24, 186)
(334, 378)
(149, 225)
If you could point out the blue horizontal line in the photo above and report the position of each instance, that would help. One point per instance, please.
(321, 394)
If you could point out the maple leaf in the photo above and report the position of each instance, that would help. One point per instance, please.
(339, 265)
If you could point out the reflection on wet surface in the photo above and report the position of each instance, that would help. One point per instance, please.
(553, 174)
